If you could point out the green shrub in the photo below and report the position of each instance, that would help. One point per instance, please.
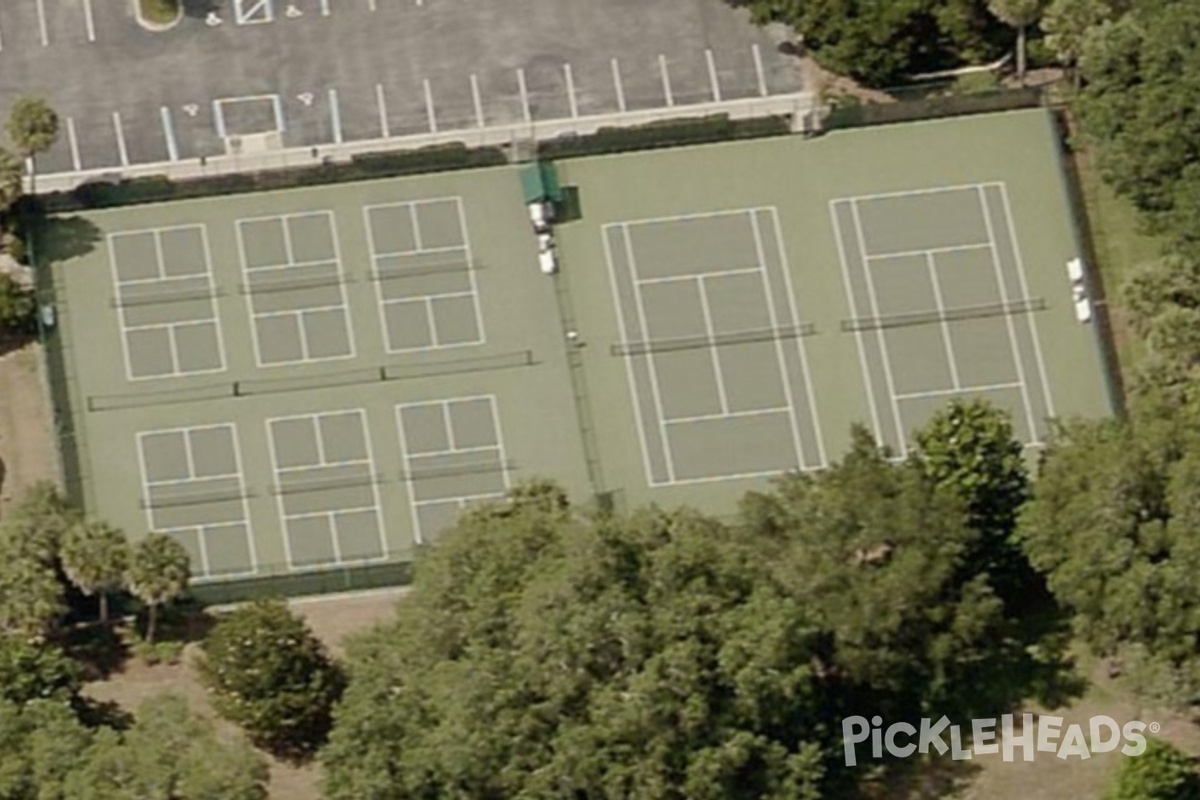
(1163, 772)
(40, 671)
(665, 133)
(18, 307)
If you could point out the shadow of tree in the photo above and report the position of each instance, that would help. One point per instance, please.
(61, 239)
(98, 649)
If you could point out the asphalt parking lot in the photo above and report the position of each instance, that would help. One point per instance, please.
(324, 72)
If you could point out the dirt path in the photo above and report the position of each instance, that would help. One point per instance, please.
(26, 439)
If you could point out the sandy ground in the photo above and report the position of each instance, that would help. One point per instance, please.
(331, 618)
(26, 439)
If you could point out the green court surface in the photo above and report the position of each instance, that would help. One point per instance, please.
(324, 378)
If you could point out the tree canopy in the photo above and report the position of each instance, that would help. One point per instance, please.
(546, 654)
(270, 675)
(32, 125)
(159, 570)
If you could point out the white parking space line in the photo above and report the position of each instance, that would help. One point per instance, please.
(372, 5)
(666, 80)
(524, 95)
(335, 116)
(384, 129)
(324, 8)
(571, 90)
(73, 143)
(712, 75)
(41, 9)
(758, 70)
(475, 98)
(116, 118)
(87, 18)
(616, 72)
(169, 133)
(429, 106)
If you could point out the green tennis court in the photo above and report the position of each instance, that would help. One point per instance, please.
(323, 379)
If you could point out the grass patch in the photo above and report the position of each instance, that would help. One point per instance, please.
(161, 12)
(1120, 246)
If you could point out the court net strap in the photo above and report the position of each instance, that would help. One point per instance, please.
(1021, 306)
(697, 342)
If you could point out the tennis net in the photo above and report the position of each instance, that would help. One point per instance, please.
(697, 342)
(1021, 306)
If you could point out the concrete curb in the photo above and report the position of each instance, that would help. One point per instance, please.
(156, 27)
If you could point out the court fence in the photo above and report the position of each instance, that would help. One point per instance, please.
(855, 115)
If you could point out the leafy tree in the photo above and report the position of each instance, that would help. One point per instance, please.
(880, 43)
(95, 557)
(31, 595)
(11, 179)
(158, 573)
(1141, 84)
(35, 671)
(1163, 772)
(40, 743)
(1067, 23)
(167, 754)
(18, 306)
(1018, 14)
(269, 674)
(1111, 523)
(32, 125)
(35, 526)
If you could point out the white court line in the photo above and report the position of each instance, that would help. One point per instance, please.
(901, 434)
(524, 95)
(169, 134)
(88, 21)
(959, 390)
(571, 99)
(335, 116)
(957, 248)
(1037, 343)
(666, 80)
(73, 143)
(705, 312)
(41, 9)
(944, 322)
(736, 476)
(616, 73)
(1018, 362)
(712, 75)
(381, 101)
(655, 390)
(784, 375)
(716, 273)
(758, 70)
(477, 101)
(755, 412)
(629, 373)
(800, 348)
(121, 150)
(964, 187)
(429, 106)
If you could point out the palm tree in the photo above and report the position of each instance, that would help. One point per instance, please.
(158, 573)
(10, 178)
(95, 557)
(1019, 14)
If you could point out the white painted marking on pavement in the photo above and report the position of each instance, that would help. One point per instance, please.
(616, 71)
(89, 21)
(478, 101)
(758, 69)
(524, 94)
(712, 75)
(429, 107)
(571, 90)
(73, 142)
(335, 116)
(124, 153)
(169, 133)
(666, 80)
(41, 9)
(384, 129)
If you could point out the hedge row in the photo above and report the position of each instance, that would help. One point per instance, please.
(854, 115)
(666, 133)
(157, 189)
